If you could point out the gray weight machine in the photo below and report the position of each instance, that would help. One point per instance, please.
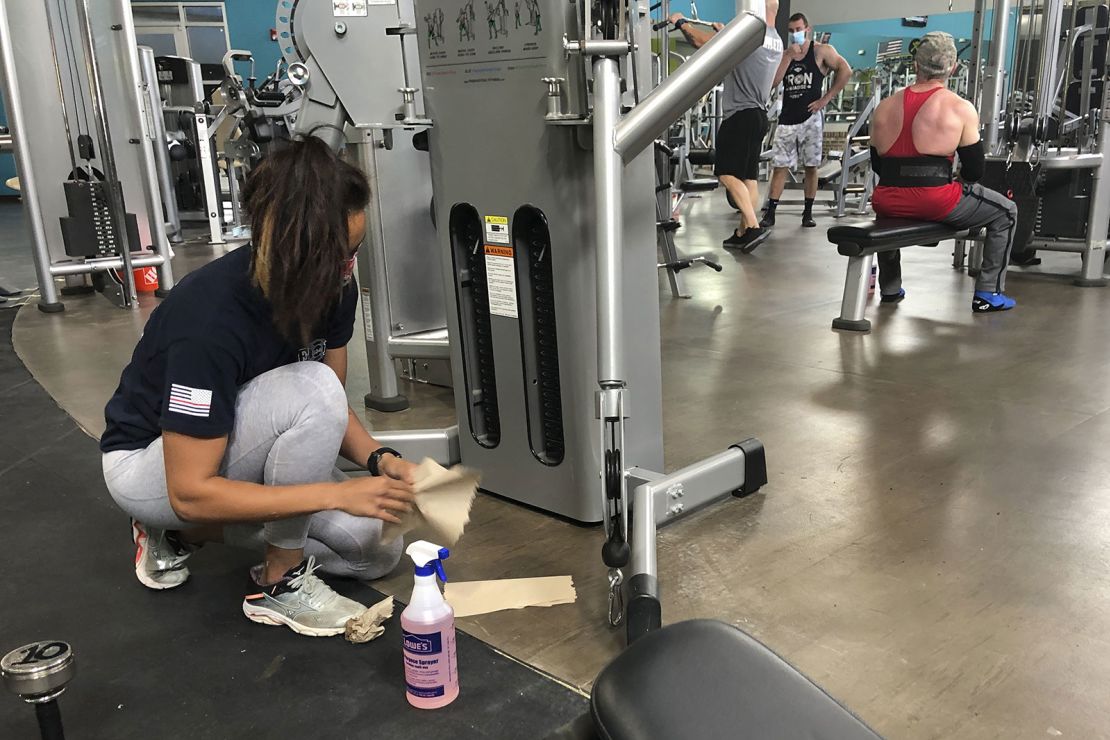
(354, 69)
(1047, 128)
(541, 159)
(78, 109)
(196, 193)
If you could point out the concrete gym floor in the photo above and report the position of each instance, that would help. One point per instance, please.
(933, 545)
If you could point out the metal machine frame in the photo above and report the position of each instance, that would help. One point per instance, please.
(355, 73)
(632, 501)
(1026, 118)
(98, 80)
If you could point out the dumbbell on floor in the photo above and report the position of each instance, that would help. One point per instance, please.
(38, 673)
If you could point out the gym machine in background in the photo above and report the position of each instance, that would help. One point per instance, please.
(355, 67)
(1047, 127)
(72, 77)
(544, 204)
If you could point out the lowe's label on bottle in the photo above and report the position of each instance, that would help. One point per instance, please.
(426, 668)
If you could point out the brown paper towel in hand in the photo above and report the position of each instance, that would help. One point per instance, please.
(443, 500)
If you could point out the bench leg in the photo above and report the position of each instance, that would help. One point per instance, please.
(975, 259)
(958, 254)
(855, 296)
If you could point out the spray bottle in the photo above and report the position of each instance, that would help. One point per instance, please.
(428, 623)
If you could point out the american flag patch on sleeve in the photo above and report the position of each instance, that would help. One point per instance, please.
(190, 401)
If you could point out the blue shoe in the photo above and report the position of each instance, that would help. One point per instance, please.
(893, 297)
(987, 302)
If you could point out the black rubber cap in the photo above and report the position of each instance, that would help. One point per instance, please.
(389, 405)
(644, 613)
(755, 466)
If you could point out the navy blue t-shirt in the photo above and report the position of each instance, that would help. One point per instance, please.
(212, 334)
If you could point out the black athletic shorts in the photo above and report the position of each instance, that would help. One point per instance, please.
(740, 143)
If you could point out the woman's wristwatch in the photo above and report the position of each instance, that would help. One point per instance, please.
(374, 461)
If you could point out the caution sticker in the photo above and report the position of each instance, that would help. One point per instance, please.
(497, 230)
(500, 280)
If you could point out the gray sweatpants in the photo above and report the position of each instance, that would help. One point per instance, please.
(978, 206)
(289, 424)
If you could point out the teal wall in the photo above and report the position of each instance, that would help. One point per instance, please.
(851, 38)
(7, 161)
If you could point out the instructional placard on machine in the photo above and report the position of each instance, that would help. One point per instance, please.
(367, 315)
(497, 230)
(348, 8)
(501, 280)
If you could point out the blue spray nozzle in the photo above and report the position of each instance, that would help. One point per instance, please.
(429, 559)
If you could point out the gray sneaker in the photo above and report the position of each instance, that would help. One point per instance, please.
(159, 557)
(303, 603)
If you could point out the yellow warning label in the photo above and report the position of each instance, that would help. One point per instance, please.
(499, 251)
(497, 230)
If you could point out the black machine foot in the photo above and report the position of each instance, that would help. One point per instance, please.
(643, 613)
(78, 290)
(389, 405)
(755, 466)
(161, 292)
(849, 325)
(56, 307)
(1089, 283)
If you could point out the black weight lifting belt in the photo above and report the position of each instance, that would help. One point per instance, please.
(912, 172)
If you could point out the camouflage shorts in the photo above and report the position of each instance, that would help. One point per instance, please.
(801, 141)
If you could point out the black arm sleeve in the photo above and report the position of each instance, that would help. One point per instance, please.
(876, 162)
(973, 161)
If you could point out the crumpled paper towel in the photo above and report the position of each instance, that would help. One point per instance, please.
(370, 624)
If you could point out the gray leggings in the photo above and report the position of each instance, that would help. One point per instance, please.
(289, 424)
(978, 206)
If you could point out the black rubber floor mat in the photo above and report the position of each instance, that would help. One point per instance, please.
(186, 663)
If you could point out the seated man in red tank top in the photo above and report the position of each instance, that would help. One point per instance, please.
(915, 134)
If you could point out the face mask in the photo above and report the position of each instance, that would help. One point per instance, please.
(347, 268)
(797, 37)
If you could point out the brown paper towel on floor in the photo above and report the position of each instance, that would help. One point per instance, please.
(370, 624)
(468, 598)
(443, 500)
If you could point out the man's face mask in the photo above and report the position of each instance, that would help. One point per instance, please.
(797, 37)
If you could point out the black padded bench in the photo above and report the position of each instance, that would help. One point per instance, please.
(858, 240)
(708, 680)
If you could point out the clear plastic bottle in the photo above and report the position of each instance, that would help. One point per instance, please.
(428, 623)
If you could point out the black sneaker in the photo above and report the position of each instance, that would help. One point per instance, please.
(807, 220)
(893, 297)
(747, 243)
(768, 219)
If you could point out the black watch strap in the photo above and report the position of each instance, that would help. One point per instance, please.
(679, 23)
(375, 459)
